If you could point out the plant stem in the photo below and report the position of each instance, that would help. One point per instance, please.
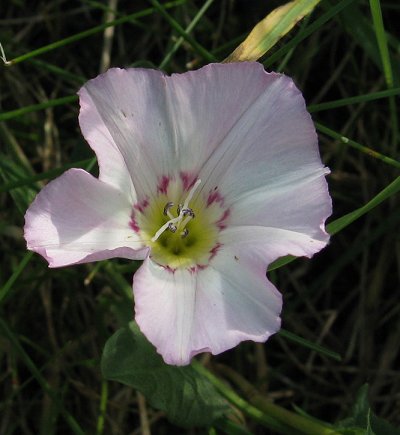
(272, 416)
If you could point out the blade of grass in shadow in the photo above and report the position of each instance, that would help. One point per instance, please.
(199, 49)
(271, 29)
(35, 107)
(60, 72)
(358, 146)
(309, 344)
(188, 29)
(312, 108)
(4, 291)
(376, 12)
(70, 420)
(89, 32)
(48, 175)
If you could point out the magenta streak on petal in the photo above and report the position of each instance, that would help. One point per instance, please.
(214, 197)
(197, 268)
(140, 206)
(169, 269)
(221, 222)
(188, 180)
(133, 224)
(163, 185)
(214, 250)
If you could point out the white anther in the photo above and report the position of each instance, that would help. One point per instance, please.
(184, 233)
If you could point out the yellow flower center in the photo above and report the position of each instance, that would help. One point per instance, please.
(181, 224)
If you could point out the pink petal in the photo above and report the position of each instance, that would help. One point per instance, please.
(235, 124)
(134, 109)
(270, 243)
(77, 218)
(184, 313)
(300, 204)
(112, 167)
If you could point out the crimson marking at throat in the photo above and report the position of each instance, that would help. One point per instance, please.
(221, 222)
(141, 205)
(214, 196)
(163, 185)
(133, 224)
(214, 250)
(187, 179)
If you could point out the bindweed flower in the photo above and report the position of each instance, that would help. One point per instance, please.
(207, 176)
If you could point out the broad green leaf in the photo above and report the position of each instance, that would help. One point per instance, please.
(187, 397)
(362, 420)
(271, 29)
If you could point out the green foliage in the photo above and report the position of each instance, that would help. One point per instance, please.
(187, 398)
(362, 421)
(341, 304)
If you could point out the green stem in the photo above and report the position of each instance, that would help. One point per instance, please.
(272, 416)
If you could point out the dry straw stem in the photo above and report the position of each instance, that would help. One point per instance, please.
(271, 29)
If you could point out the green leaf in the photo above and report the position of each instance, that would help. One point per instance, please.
(362, 420)
(187, 397)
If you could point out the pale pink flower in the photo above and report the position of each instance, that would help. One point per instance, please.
(208, 177)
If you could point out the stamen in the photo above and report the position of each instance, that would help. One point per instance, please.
(172, 227)
(166, 211)
(186, 220)
(168, 205)
(164, 227)
(185, 214)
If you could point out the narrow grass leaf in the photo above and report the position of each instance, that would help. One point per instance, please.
(5, 290)
(271, 29)
(309, 345)
(47, 175)
(312, 108)
(387, 67)
(375, 154)
(89, 32)
(199, 49)
(390, 190)
(70, 420)
(35, 107)
(188, 29)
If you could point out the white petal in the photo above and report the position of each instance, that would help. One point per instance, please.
(77, 218)
(112, 167)
(300, 204)
(133, 106)
(184, 313)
